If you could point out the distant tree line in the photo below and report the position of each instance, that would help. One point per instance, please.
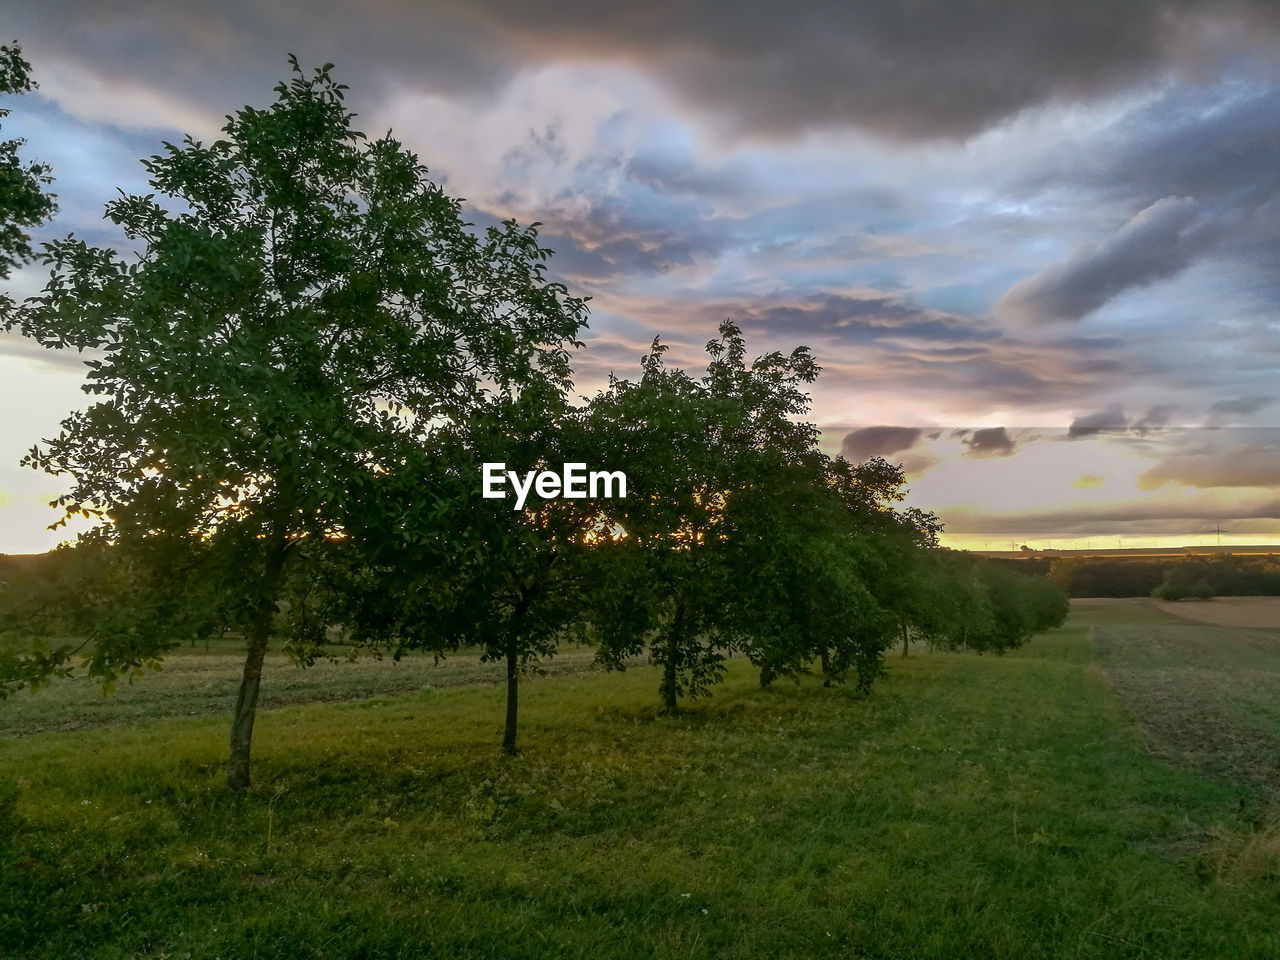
(1222, 575)
(297, 379)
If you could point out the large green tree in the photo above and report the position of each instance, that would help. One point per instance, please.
(304, 309)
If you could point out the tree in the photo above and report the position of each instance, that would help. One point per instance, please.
(666, 429)
(304, 311)
(23, 204)
(804, 568)
(993, 608)
(712, 464)
(515, 582)
(1187, 580)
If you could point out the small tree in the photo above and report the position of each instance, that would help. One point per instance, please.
(515, 582)
(305, 309)
(805, 569)
(666, 429)
(995, 609)
(1187, 580)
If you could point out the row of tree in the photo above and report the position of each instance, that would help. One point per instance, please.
(298, 375)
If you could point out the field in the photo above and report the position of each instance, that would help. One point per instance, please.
(1107, 791)
(1252, 612)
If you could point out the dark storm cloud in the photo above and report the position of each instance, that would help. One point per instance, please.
(990, 442)
(867, 442)
(910, 70)
(1156, 243)
(219, 55)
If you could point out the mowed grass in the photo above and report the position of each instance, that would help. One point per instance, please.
(986, 807)
(1206, 696)
(202, 680)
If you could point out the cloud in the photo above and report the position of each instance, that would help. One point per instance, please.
(849, 317)
(1215, 142)
(64, 360)
(1224, 410)
(948, 70)
(684, 177)
(1110, 420)
(1114, 420)
(867, 442)
(914, 464)
(1157, 416)
(1088, 481)
(881, 348)
(1157, 242)
(1133, 518)
(989, 442)
(610, 239)
(1252, 466)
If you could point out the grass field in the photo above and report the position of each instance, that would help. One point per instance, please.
(197, 681)
(986, 807)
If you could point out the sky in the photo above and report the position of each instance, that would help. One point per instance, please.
(1034, 245)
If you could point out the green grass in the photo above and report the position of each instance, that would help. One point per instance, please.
(987, 807)
(199, 681)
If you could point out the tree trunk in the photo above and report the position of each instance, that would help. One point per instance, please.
(766, 674)
(904, 638)
(247, 703)
(669, 704)
(826, 667)
(513, 701)
(668, 687)
(247, 699)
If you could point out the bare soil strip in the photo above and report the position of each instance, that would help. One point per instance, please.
(1249, 612)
